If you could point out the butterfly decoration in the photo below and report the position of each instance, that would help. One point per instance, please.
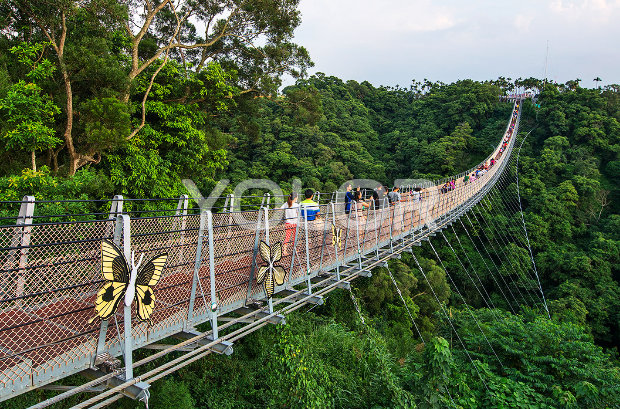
(119, 281)
(270, 274)
(336, 236)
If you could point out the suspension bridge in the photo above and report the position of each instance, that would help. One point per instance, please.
(228, 270)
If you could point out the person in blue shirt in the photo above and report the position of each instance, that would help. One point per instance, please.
(309, 206)
(348, 196)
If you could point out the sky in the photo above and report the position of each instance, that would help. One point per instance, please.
(392, 42)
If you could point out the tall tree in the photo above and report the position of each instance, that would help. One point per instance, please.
(251, 39)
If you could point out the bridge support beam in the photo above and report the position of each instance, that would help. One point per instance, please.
(345, 285)
(362, 272)
(313, 299)
(275, 319)
(137, 391)
(222, 348)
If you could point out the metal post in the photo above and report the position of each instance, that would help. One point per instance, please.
(22, 239)
(374, 216)
(103, 329)
(295, 243)
(230, 199)
(357, 229)
(323, 246)
(116, 208)
(265, 200)
(214, 303)
(346, 238)
(403, 207)
(307, 252)
(254, 254)
(391, 215)
(383, 208)
(269, 301)
(127, 308)
(182, 211)
(333, 209)
(363, 246)
(197, 264)
(226, 202)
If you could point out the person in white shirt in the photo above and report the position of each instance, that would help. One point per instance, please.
(291, 208)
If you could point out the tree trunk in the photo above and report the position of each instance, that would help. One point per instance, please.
(55, 162)
(34, 160)
(73, 155)
(60, 50)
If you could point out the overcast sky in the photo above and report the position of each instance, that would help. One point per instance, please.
(390, 42)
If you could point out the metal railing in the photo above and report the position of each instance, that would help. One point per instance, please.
(50, 271)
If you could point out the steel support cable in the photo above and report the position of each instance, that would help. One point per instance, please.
(107, 402)
(505, 259)
(205, 349)
(192, 355)
(174, 348)
(525, 228)
(506, 241)
(530, 270)
(508, 203)
(508, 256)
(405, 304)
(495, 265)
(493, 227)
(356, 305)
(449, 320)
(488, 302)
(467, 307)
(502, 211)
(487, 267)
(507, 216)
(171, 351)
(473, 268)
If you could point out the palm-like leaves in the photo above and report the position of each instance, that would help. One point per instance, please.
(270, 275)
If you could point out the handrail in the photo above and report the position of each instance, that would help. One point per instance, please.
(50, 272)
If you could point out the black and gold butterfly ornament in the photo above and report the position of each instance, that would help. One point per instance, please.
(271, 274)
(137, 284)
(336, 236)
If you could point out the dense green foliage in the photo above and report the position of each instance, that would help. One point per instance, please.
(108, 112)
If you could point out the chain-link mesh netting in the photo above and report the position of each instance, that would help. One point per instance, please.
(51, 272)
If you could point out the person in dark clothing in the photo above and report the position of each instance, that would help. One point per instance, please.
(348, 196)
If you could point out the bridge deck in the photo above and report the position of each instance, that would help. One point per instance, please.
(50, 272)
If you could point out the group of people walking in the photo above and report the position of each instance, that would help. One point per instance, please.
(381, 197)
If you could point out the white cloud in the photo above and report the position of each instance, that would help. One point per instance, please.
(600, 11)
(522, 22)
(394, 41)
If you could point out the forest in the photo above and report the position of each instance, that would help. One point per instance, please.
(90, 108)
